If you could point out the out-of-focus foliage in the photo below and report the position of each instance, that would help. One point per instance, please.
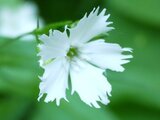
(136, 91)
(144, 11)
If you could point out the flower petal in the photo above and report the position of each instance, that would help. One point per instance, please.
(89, 27)
(55, 80)
(89, 82)
(55, 45)
(105, 55)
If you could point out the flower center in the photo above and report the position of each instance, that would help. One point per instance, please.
(72, 52)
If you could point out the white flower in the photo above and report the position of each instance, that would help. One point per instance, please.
(15, 21)
(81, 59)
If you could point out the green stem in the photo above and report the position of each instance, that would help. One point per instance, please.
(51, 26)
(11, 40)
(36, 32)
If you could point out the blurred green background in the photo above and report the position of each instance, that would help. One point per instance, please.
(136, 91)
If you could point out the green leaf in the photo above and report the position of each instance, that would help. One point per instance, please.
(135, 92)
(74, 110)
(13, 107)
(19, 68)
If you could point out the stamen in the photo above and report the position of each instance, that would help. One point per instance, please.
(72, 52)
